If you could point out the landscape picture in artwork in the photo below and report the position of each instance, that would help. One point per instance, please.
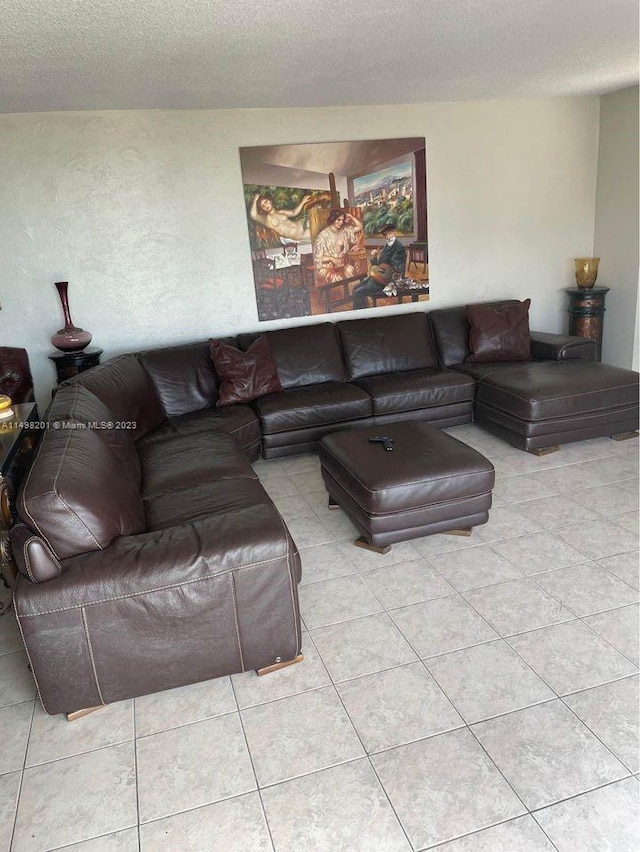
(336, 226)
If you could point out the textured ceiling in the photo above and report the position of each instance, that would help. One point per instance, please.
(132, 54)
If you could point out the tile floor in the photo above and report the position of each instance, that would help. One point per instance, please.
(459, 695)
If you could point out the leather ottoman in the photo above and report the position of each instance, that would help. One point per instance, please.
(430, 482)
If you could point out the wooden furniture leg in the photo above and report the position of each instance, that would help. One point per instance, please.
(277, 666)
(78, 714)
(544, 451)
(466, 533)
(362, 542)
(624, 436)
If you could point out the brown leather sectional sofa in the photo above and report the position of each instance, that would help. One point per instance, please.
(150, 556)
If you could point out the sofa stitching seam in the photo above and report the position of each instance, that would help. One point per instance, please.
(235, 617)
(93, 662)
(151, 591)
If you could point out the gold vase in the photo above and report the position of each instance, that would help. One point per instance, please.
(586, 271)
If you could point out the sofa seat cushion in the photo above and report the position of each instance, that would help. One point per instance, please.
(416, 389)
(313, 405)
(240, 421)
(202, 501)
(184, 462)
(543, 390)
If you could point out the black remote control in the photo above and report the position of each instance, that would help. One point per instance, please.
(385, 440)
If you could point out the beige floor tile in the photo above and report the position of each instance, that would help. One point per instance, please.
(474, 567)
(442, 625)
(77, 798)
(333, 601)
(175, 707)
(517, 606)
(608, 818)
(298, 735)
(119, 841)
(611, 711)
(9, 788)
(362, 646)
(17, 684)
(53, 737)
(487, 680)
(547, 754)
(234, 825)
(619, 628)
(325, 562)
(15, 723)
(599, 539)
(406, 583)
(10, 638)
(341, 808)
(397, 706)
(443, 787)
(570, 657)
(587, 588)
(191, 766)
(626, 566)
(542, 551)
(518, 835)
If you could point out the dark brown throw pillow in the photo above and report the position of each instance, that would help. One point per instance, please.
(499, 332)
(244, 375)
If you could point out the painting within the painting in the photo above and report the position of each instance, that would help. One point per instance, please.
(336, 226)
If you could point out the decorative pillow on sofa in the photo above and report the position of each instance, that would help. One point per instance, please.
(244, 375)
(499, 332)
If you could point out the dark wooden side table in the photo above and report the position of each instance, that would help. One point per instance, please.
(586, 313)
(69, 364)
(19, 436)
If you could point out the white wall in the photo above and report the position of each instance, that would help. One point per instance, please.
(142, 212)
(616, 230)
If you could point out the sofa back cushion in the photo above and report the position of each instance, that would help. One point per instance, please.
(451, 331)
(77, 405)
(304, 355)
(78, 495)
(183, 376)
(388, 344)
(125, 387)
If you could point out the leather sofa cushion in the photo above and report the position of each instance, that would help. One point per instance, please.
(239, 421)
(202, 501)
(305, 355)
(170, 366)
(185, 462)
(417, 389)
(79, 495)
(387, 344)
(499, 332)
(323, 404)
(126, 389)
(79, 405)
(451, 331)
(541, 390)
(244, 375)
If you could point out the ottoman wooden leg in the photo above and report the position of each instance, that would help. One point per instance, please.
(465, 533)
(624, 436)
(544, 451)
(333, 505)
(362, 542)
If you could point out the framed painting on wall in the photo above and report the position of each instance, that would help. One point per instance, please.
(334, 226)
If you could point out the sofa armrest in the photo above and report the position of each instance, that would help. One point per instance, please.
(561, 347)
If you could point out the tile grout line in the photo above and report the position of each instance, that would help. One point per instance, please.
(21, 782)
